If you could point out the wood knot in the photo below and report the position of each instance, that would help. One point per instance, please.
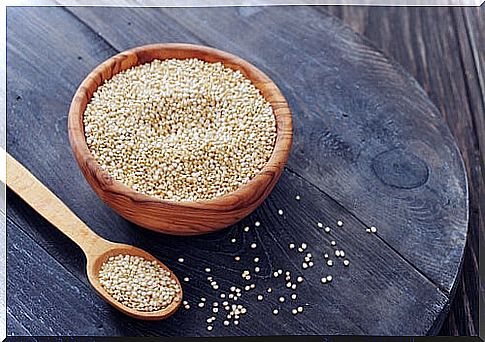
(400, 169)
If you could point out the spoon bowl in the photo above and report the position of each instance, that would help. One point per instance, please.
(101, 253)
(96, 249)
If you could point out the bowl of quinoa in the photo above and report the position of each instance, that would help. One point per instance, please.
(180, 138)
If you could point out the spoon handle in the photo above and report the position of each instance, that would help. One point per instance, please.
(40, 198)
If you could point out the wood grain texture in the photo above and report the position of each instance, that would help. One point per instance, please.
(68, 307)
(384, 291)
(378, 147)
(443, 48)
(96, 249)
(180, 218)
(13, 325)
(387, 286)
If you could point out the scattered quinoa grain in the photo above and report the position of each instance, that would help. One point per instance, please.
(340, 223)
(373, 229)
(257, 223)
(280, 212)
(346, 262)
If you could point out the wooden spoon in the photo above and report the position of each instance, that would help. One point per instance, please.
(96, 249)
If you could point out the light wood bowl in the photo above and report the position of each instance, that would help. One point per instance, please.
(180, 218)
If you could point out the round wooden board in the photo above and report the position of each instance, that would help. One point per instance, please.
(369, 149)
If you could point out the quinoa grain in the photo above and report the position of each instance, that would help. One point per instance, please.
(180, 129)
(138, 283)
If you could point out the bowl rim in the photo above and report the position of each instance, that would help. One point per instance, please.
(127, 59)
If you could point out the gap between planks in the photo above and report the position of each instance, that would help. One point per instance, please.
(440, 288)
(445, 292)
(21, 329)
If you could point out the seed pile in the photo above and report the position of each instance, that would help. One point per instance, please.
(181, 130)
(138, 283)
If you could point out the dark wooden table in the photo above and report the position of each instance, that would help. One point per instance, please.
(444, 49)
(438, 46)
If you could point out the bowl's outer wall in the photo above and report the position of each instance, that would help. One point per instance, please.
(180, 218)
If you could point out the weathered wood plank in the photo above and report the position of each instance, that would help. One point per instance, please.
(473, 48)
(447, 45)
(364, 131)
(203, 250)
(52, 301)
(14, 327)
(395, 297)
(389, 290)
(3, 262)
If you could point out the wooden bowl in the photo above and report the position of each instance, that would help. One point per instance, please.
(180, 218)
